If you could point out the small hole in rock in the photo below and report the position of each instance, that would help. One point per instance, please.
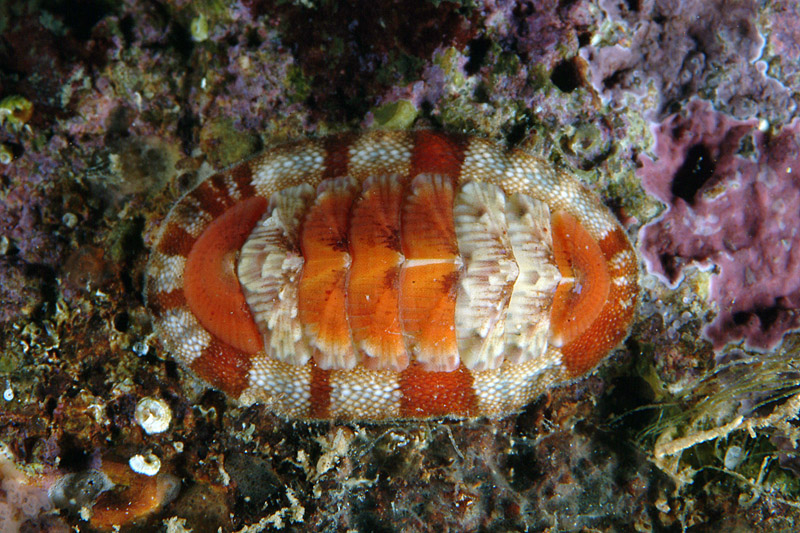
(696, 170)
(633, 5)
(478, 49)
(121, 322)
(567, 75)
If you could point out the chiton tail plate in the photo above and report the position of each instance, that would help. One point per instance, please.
(391, 275)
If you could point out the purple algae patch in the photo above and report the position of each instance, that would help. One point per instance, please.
(733, 201)
(543, 32)
(784, 26)
(664, 52)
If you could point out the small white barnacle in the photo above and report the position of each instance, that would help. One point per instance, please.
(140, 348)
(153, 414)
(149, 464)
(734, 456)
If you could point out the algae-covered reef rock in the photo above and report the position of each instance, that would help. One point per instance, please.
(680, 115)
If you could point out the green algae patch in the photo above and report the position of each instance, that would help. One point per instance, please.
(396, 115)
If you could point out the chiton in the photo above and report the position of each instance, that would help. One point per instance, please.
(391, 275)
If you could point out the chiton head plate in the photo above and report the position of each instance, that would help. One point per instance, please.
(391, 275)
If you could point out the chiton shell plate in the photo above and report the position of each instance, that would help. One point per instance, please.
(391, 275)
